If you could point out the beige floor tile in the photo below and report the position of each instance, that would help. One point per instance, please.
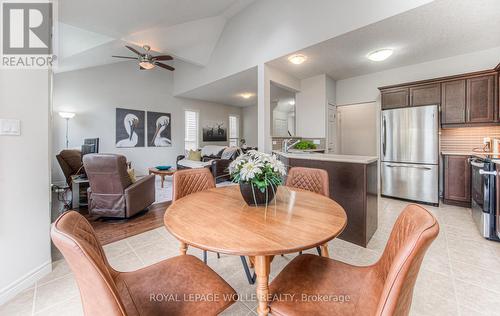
(428, 304)
(55, 292)
(149, 237)
(127, 262)
(71, 307)
(155, 252)
(60, 269)
(435, 283)
(486, 278)
(477, 298)
(21, 305)
(118, 248)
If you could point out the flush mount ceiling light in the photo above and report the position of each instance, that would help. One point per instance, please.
(297, 59)
(246, 95)
(380, 54)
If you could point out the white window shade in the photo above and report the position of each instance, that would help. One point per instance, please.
(234, 130)
(191, 130)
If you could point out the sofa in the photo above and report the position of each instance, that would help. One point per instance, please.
(216, 158)
(112, 193)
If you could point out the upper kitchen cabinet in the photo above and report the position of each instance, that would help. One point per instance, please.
(429, 94)
(481, 100)
(395, 98)
(417, 95)
(453, 102)
(465, 100)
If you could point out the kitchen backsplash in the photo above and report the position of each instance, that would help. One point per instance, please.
(278, 142)
(466, 139)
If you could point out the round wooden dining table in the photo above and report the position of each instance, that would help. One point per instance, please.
(219, 220)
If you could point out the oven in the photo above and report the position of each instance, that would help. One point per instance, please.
(484, 196)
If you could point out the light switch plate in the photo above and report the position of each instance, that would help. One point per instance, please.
(10, 127)
(316, 142)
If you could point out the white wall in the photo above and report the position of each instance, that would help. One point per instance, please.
(266, 30)
(358, 129)
(249, 121)
(311, 107)
(365, 88)
(24, 181)
(94, 93)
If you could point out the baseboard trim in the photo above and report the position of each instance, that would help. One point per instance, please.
(25, 282)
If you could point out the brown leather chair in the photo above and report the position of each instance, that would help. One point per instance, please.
(105, 291)
(70, 161)
(112, 193)
(188, 181)
(310, 179)
(384, 288)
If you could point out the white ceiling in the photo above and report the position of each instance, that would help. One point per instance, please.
(228, 90)
(188, 29)
(437, 30)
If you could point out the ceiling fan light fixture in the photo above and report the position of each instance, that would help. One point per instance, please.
(146, 65)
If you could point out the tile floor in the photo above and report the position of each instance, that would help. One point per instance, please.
(459, 275)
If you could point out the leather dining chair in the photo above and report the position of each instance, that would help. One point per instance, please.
(105, 291)
(310, 179)
(382, 289)
(188, 181)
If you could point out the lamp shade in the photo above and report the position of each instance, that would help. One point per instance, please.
(67, 115)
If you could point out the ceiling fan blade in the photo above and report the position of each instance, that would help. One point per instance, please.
(126, 57)
(164, 66)
(163, 57)
(134, 50)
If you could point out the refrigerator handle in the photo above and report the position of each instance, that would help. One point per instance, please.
(384, 137)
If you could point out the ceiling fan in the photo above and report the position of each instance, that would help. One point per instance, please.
(146, 60)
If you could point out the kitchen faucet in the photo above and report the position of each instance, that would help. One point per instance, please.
(286, 144)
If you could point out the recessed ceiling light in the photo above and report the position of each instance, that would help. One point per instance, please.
(246, 95)
(292, 102)
(380, 55)
(297, 59)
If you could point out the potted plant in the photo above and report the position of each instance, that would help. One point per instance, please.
(258, 175)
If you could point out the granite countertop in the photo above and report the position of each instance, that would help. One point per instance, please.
(330, 157)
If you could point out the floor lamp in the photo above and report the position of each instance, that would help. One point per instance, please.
(67, 116)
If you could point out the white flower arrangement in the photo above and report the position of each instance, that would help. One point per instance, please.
(258, 168)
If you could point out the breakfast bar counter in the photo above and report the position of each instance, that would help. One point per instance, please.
(352, 184)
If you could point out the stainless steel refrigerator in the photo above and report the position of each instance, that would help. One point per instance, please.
(410, 153)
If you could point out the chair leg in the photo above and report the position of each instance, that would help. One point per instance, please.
(318, 249)
(251, 278)
(205, 256)
(218, 255)
(300, 252)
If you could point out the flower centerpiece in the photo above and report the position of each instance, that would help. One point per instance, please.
(258, 175)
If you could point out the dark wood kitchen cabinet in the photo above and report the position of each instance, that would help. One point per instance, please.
(429, 94)
(457, 180)
(395, 98)
(481, 99)
(453, 102)
(470, 99)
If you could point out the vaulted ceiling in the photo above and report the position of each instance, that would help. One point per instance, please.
(91, 31)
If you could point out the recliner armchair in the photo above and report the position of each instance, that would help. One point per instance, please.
(111, 192)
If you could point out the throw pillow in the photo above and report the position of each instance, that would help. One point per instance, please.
(131, 175)
(194, 155)
(228, 152)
